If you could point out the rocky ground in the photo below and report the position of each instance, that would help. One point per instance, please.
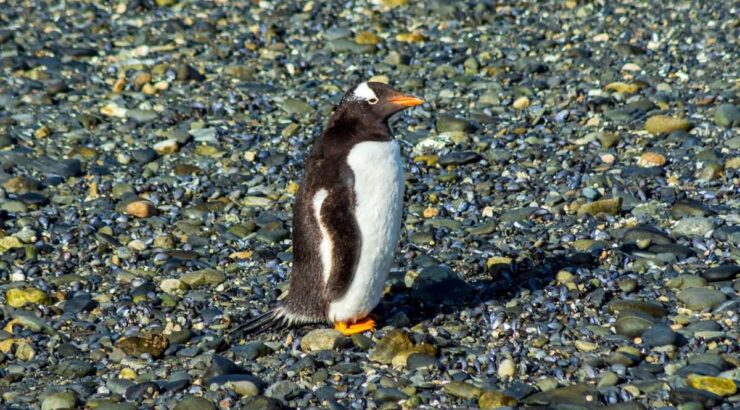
(572, 229)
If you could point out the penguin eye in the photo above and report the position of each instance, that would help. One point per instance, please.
(372, 101)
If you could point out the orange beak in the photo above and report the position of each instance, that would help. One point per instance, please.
(406, 101)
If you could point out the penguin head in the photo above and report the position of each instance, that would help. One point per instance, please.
(373, 101)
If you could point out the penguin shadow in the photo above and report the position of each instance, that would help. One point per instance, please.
(439, 293)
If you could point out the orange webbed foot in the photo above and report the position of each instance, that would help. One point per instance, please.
(364, 325)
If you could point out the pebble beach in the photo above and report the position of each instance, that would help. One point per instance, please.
(571, 228)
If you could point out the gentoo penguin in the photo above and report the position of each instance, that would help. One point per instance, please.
(346, 217)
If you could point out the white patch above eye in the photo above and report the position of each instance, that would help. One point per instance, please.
(364, 92)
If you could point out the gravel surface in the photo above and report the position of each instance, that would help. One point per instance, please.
(572, 228)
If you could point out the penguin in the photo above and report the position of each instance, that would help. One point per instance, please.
(346, 217)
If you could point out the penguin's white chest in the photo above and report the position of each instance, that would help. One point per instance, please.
(379, 184)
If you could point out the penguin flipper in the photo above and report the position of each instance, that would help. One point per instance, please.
(338, 218)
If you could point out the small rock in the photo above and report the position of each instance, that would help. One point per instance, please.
(701, 298)
(720, 273)
(367, 37)
(521, 103)
(283, 390)
(166, 147)
(659, 335)
(633, 323)
(173, 286)
(141, 209)
(716, 385)
(459, 158)
(608, 379)
(60, 401)
(623, 88)
(203, 277)
(651, 159)
(585, 346)
(693, 226)
(686, 281)
(659, 124)
(727, 115)
(153, 344)
(322, 339)
(245, 388)
(495, 400)
(20, 297)
(506, 369)
(74, 369)
(195, 403)
(391, 344)
(462, 390)
(610, 206)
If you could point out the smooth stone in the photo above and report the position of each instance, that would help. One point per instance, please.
(221, 366)
(347, 368)
(688, 394)
(462, 390)
(448, 123)
(720, 273)
(60, 401)
(147, 343)
(517, 215)
(74, 369)
(494, 400)
(458, 158)
(245, 388)
(692, 227)
(727, 115)
(633, 323)
(416, 361)
(715, 385)
(689, 208)
(648, 234)
(392, 343)
(653, 309)
(252, 350)
(608, 379)
(610, 206)
(203, 277)
(322, 339)
(659, 124)
(703, 369)
(262, 403)
(144, 155)
(283, 390)
(701, 298)
(709, 358)
(659, 335)
(576, 395)
(686, 282)
(296, 106)
(703, 326)
(385, 394)
(81, 302)
(145, 390)
(195, 403)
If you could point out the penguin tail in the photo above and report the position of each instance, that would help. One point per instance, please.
(272, 320)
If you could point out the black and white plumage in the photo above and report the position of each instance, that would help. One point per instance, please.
(347, 215)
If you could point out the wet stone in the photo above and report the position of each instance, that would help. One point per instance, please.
(723, 272)
(459, 158)
(59, 401)
(195, 403)
(701, 298)
(659, 335)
